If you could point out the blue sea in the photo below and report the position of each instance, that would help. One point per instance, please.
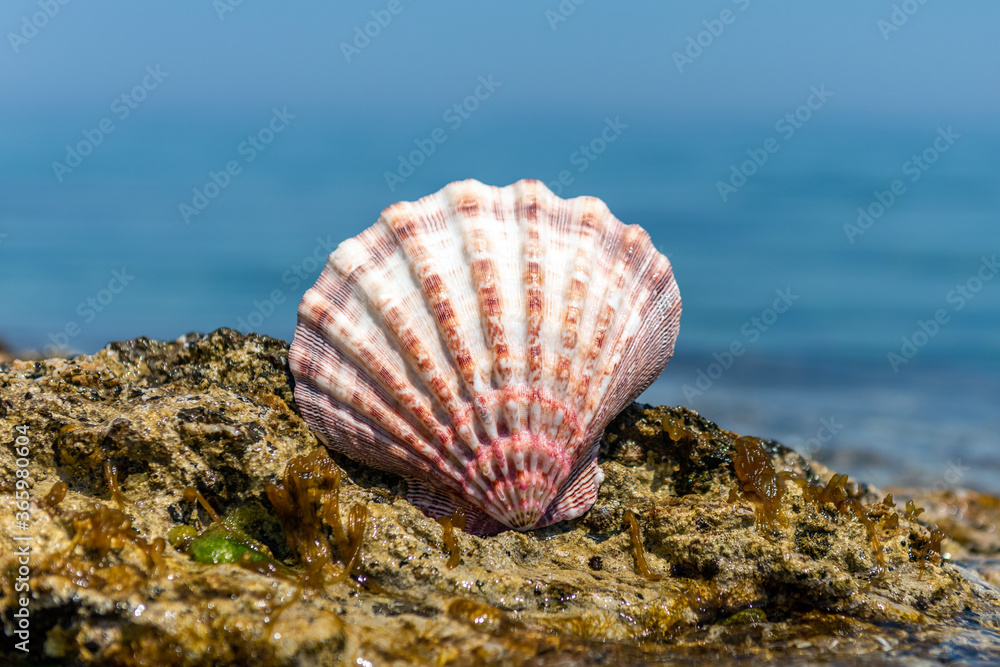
(839, 281)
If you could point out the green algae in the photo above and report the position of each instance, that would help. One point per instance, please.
(227, 539)
(222, 549)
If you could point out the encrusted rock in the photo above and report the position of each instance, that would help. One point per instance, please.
(215, 412)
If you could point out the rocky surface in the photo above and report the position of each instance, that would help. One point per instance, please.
(779, 564)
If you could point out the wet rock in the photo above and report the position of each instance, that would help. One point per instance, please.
(970, 518)
(825, 582)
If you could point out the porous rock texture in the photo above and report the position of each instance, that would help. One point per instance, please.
(216, 412)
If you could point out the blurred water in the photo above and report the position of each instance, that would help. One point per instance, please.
(245, 260)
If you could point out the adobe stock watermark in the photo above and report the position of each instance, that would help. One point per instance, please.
(786, 127)
(22, 517)
(455, 116)
(562, 12)
(122, 107)
(752, 329)
(587, 153)
(957, 298)
(297, 274)
(88, 309)
(223, 7)
(953, 475)
(697, 43)
(914, 168)
(898, 17)
(364, 34)
(248, 149)
(828, 429)
(30, 25)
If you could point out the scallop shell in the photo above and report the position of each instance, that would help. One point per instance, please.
(477, 342)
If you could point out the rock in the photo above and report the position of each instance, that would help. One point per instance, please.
(970, 518)
(825, 582)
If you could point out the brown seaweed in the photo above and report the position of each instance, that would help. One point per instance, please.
(638, 551)
(450, 524)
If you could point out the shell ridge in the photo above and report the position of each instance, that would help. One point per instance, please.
(321, 407)
(534, 278)
(369, 355)
(400, 220)
(433, 377)
(624, 328)
(365, 404)
(657, 347)
(523, 492)
(579, 492)
(448, 310)
(467, 207)
(384, 377)
(554, 264)
(424, 369)
(436, 503)
(578, 280)
(486, 250)
(434, 288)
(580, 300)
(595, 314)
(460, 203)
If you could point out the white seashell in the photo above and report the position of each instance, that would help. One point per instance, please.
(477, 342)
